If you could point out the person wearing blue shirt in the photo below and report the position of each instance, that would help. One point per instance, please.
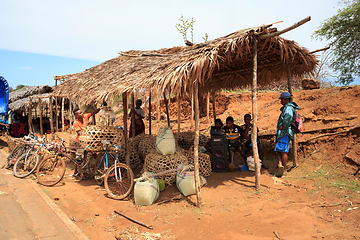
(284, 132)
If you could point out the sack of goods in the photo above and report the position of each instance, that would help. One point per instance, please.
(146, 192)
(185, 181)
(251, 163)
(165, 141)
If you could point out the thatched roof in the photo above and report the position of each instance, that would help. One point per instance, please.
(22, 105)
(25, 92)
(223, 63)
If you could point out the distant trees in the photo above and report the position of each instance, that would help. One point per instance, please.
(343, 32)
(20, 86)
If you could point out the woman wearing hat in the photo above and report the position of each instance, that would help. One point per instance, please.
(284, 132)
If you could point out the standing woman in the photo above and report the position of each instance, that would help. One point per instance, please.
(139, 116)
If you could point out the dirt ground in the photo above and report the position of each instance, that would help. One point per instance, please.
(319, 199)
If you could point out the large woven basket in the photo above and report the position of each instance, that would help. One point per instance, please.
(92, 136)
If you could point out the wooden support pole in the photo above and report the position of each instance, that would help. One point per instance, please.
(56, 115)
(51, 118)
(145, 108)
(150, 112)
(213, 104)
(192, 110)
(208, 107)
(125, 119)
(196, 144)
(31, 128)
(40, 113)
(179, 112)
(70, 115)
(133, 115)
(277, 33)
(167, 109)
(254, 112)
(294, 143)
(62, 115)
(158, 110)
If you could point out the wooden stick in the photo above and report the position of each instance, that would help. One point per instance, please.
(213, 104)
(31, 128)
(277, 235)
(331, 134)
(145, 108)
(62, 114)
(133, 220)
(254, 112)
(167, 109)
(319, 50)
(150, 112)
(192, 110)
(40, 113)
(158, 110)
(51, 118)
(126, 136)
(56, 114)
(196, 144)
(277, 33)
(179, 111)
(208, 107)
(70, 115)
(132, 115)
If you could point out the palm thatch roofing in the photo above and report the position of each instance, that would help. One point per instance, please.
(22, 105)
(223, 63)
(25, 92)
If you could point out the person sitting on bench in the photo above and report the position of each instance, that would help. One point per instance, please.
(233, 135)
(246, 130)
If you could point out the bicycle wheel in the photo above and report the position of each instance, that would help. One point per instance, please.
(101, 168)
(51, 170)
(26, 164)
(13, 156)
(119, 185)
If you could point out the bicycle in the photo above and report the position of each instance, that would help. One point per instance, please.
(102, 165)
(119, 179)
(51, 169)
(28, 162)
(18, 151)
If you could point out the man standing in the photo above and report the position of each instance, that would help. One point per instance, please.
(81, 121)
(284, 132)
(233, 135)
(139, 116)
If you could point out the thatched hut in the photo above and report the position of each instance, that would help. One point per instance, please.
(27, 91)
(250, 56)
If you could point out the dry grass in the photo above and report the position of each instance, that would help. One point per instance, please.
(223, 63)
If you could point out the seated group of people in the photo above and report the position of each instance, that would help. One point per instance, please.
(239, 137)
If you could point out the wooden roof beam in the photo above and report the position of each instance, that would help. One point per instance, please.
(319, 50)
(274, 34)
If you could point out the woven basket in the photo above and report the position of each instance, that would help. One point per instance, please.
(92, 136)
(156, 163)
(204, 162)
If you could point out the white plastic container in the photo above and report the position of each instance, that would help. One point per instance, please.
(146, 192)
(165, 141)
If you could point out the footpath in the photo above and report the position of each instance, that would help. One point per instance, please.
(26, 212)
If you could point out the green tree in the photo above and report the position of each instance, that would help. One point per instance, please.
(184, 26)
(343, 32)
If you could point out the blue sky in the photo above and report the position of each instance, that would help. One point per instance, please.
(40, 39)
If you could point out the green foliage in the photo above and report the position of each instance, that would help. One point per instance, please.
(184, 26)
(343, 32)
(206, 37)
(20, 86)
